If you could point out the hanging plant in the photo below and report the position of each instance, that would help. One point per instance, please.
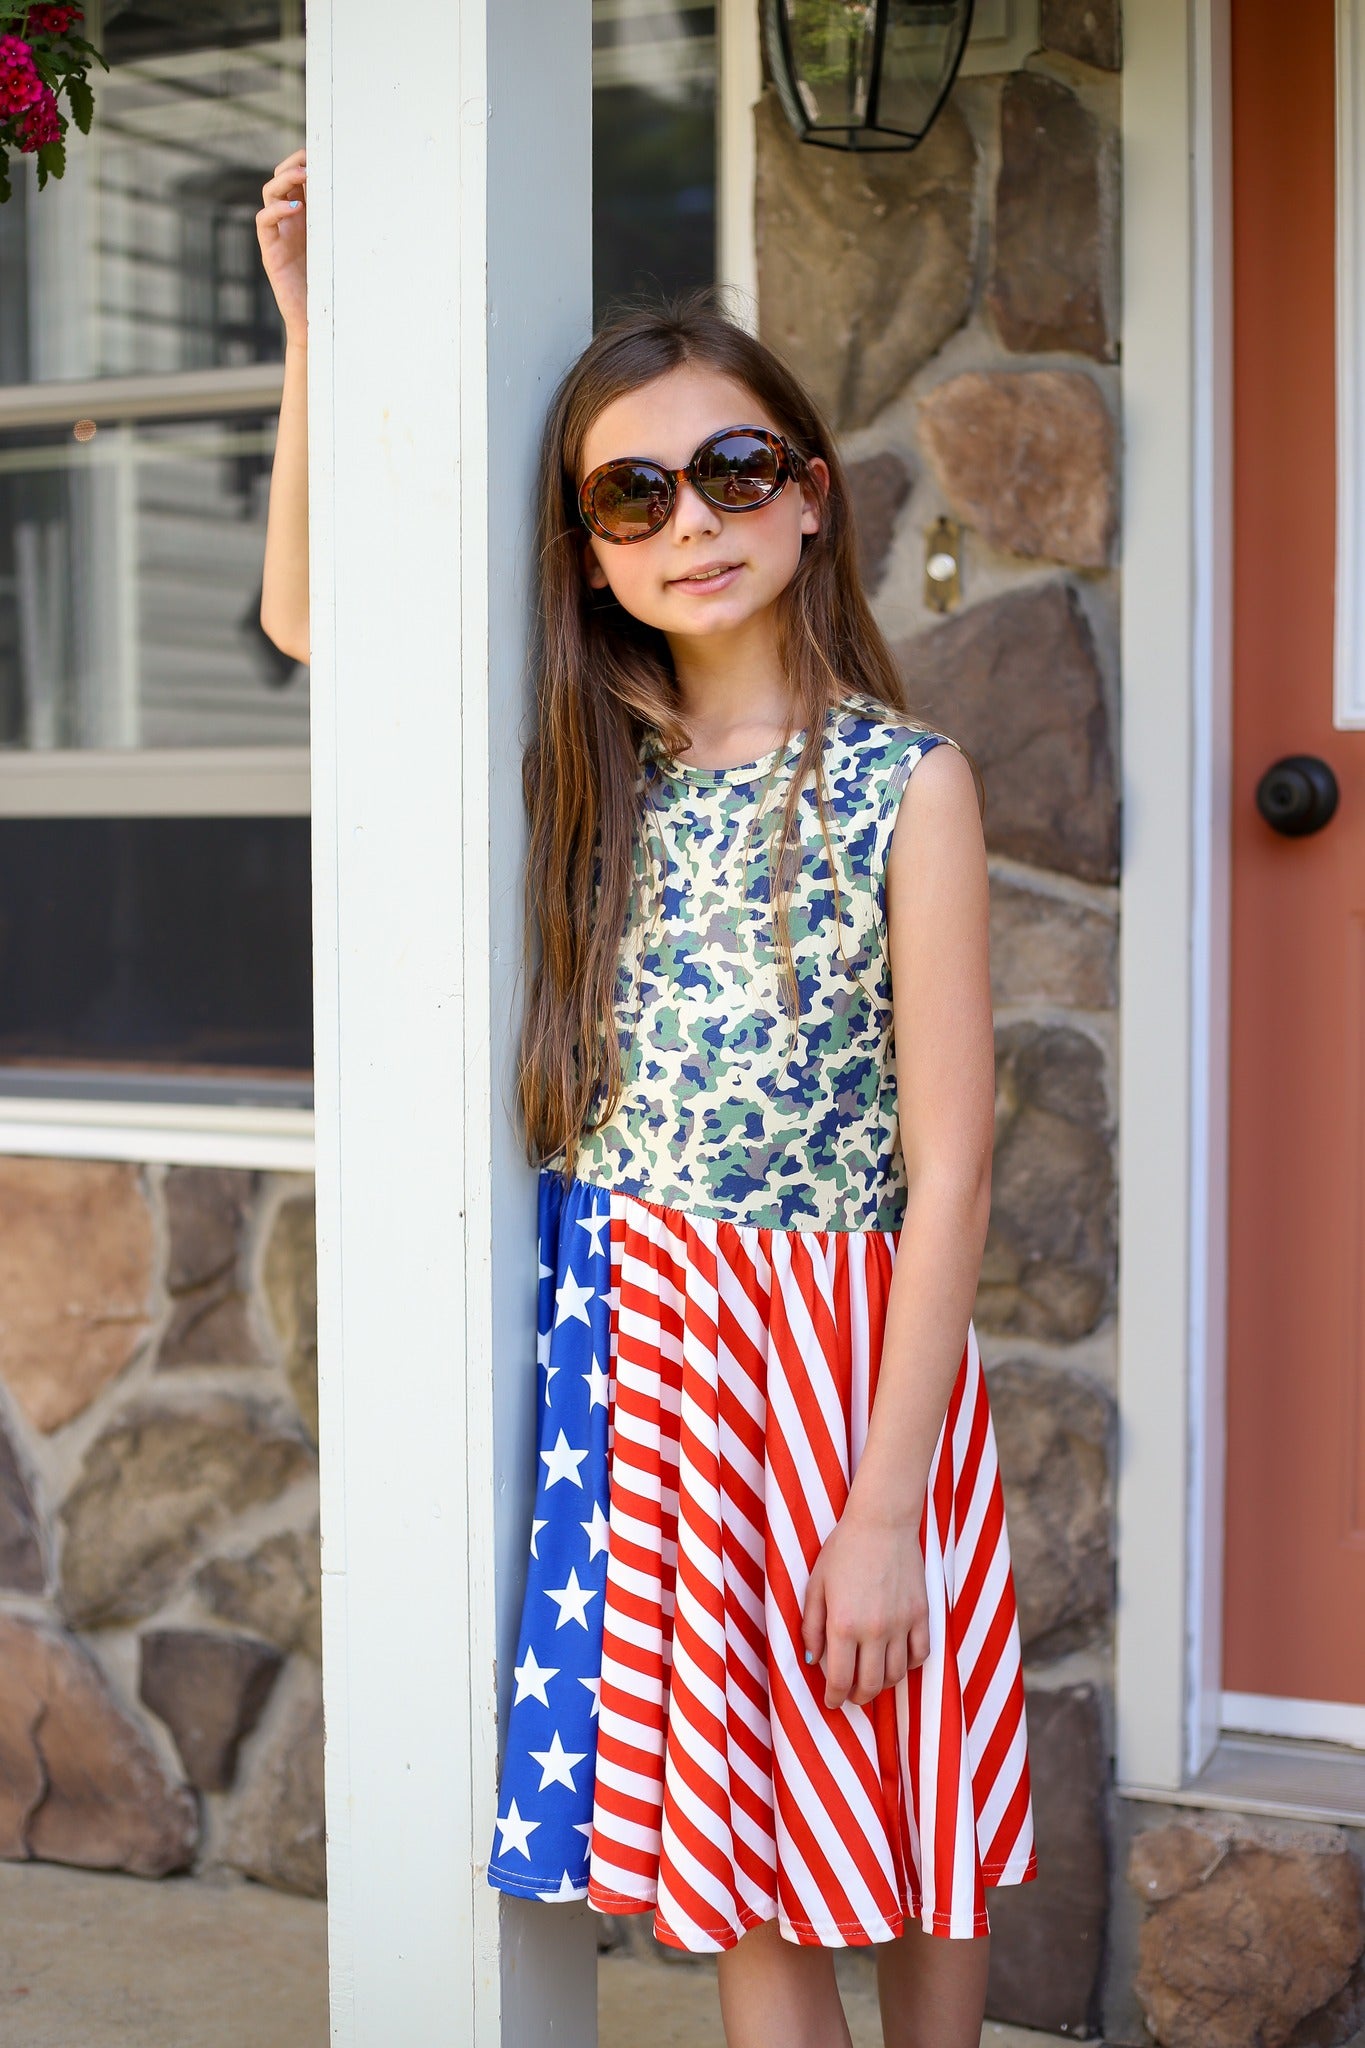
(41, 57)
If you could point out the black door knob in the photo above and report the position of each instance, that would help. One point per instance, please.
(1297, 794)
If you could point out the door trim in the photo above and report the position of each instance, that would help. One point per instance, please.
(1348, 694)
(1174, 929)
(1250, 1713)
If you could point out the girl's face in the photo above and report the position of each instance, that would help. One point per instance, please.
(706, 572)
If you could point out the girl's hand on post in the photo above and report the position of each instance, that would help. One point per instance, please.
(282, 231)
(866, 1614)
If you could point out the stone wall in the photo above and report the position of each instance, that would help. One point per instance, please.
(956, 312)
(160, 1697)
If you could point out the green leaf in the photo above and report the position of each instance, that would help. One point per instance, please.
(51, 157)
(82, 103)
(6, 189)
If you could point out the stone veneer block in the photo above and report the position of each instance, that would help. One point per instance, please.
(1047, 1937)
(1054, 1430)
(1239, 1952)
(206, 1213)
(21, 1548)
(1089, 30)
(76, 1249)
(278, 1833)
(1046, 288)
(276, 1591)
(865, 262)
(1017, 682)
(79, 1783)
(1049, 949)
(209, 1690)
(208, 1210)
(154, 1488)
(291, 1290)
(1050, 1264)
(1028, 458)
(879, 485)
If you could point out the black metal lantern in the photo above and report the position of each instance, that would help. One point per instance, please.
(864, 74)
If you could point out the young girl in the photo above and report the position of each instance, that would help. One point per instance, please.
(768, 1679)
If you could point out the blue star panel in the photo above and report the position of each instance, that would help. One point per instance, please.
(549, 1767)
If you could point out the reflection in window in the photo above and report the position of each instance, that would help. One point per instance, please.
(130, 590)
(143, 257)
(653, 147)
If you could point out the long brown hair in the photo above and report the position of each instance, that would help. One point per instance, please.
(603, 678)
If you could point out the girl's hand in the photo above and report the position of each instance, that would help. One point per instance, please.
(866, 1614)
(281, 230)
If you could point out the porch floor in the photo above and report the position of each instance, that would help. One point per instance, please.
(117, 1962)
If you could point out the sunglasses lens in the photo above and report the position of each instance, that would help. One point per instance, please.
(737, 471)
(631, 499)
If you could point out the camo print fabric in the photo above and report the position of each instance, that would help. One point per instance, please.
(731, 1109)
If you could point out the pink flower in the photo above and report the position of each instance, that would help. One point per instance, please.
(39, 123)
(52, 20)
(20, 85)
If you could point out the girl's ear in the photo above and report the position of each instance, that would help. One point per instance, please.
(592, 568)
(814, 490)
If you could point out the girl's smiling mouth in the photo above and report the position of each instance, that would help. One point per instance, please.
(715, 576)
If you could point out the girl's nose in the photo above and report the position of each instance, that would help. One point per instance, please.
(692, 514)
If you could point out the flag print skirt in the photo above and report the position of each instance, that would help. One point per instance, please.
(704, 1392)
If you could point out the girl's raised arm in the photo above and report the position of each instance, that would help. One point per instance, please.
(281, 230)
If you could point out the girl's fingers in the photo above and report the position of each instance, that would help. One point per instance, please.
(285, 180)
(813, 1620)
(897, 1660)
(840, 1668)
(278, 209)
(919, 1642)
(871, 1675)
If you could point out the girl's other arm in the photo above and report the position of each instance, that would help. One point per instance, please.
(867, 1613)
(281, 230)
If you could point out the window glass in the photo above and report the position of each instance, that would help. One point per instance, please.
(129, 943)
(143, 257)
(130, 589)
(653, 147)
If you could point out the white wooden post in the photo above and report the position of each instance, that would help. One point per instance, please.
(450, 273)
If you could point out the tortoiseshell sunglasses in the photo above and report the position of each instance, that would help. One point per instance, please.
(738, 469)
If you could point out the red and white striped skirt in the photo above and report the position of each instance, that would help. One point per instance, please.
(743, 1368)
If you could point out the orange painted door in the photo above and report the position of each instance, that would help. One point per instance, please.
(1294, 1613)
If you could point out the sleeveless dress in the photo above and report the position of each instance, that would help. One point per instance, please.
(713, 1285)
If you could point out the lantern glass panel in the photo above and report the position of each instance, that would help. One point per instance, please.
(863, 75)
(920, 56)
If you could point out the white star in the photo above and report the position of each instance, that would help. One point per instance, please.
(573, 1601)
(550, 1371)
(532, 1679)
(593, 1225)
(545, 1271)
(613, 1299)
(583, 1827)
(567, 1890)
(542, 1346)
(594, 1686)
(562, 1463)
(556, 1763)
(515, 1832)
(536, 1528)
(597, 1386)
(571, 1301)
(596, 1531)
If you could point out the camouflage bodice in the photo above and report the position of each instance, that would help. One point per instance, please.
(732, 1109)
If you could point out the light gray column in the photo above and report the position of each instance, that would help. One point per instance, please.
(450, 273)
